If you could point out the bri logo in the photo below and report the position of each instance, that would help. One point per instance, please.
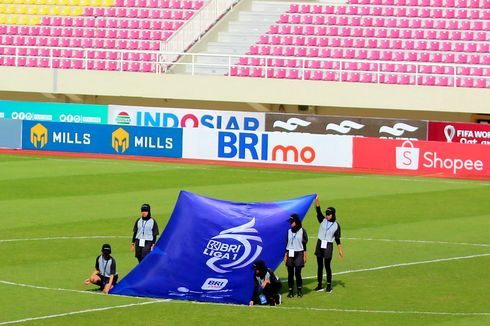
(120, 140)
(214, 284)
(39, 136)
(233, 248)
(256, 147)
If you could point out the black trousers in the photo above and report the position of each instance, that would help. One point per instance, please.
(292, 272)
(321, 261)
(141, 252)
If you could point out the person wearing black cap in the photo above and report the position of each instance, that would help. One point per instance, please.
(105, 274)
(328, 232)
(295, 256)
(266, 285)
(145, 233)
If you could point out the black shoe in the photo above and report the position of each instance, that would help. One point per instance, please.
(300, 294)
(319, 288)
(329, 288)
(291, 294)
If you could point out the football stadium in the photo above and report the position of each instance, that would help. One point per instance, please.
(183, 162)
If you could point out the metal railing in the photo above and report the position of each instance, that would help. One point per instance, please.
(194, 28)
(258, 66)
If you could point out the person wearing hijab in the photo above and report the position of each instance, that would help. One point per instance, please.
(328, 232)
(145, 233)
(266, 285)
(105, 274)
(295, 256)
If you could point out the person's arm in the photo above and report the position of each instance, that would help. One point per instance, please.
(108, 286)
(255, 293)
(286, 253)
(319, 215)
(155, 233)
(305, 241)
(337, 241)
(135, 231)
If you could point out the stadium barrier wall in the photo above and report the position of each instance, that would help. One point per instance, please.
(10, 133)
(57, 112)
(185, 118)
(424, 158)
(263, 147)
(349, 153)
(464, 133)
(102, 139)
(341, 125)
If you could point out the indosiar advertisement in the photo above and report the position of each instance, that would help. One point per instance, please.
(56, 112)
(102, 139)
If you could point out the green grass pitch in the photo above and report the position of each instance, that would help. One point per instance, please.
(417, 250)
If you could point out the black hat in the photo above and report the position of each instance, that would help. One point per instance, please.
(106, 248)
(259, 264)
(330, 211)
(145, 208)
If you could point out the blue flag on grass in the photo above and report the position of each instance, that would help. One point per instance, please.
(208, 247)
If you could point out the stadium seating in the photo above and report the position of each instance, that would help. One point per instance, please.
(408, 42)
(90, 34)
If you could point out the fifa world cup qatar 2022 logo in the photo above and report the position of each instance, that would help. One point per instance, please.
(233, 248)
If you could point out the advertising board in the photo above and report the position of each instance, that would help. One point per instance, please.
(56, 112)
(102, 139)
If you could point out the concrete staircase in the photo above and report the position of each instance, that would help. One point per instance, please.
(234, 36)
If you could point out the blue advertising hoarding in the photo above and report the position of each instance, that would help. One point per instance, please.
(102, 139)
(10, 131)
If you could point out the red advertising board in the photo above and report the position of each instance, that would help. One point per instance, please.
(455, 132)
(422, 158)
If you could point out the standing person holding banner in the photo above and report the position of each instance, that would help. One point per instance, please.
(328, 232)
(295, 256)
(145, 233)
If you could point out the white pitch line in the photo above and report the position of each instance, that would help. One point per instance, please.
(61, 289)
(80, 312)
(360, 239)
(404, 264)
(398, 312)
(423, 241)
(67, 238)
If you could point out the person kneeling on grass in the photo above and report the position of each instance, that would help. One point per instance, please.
(105, 274)
(266, 285)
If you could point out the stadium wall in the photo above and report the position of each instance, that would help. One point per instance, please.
(244, 94)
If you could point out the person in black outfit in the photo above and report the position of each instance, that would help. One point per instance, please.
(328, 232)
(295, 256)
(145, 233)
(105, 275)
(266, 285)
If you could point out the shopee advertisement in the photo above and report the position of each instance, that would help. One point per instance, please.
(456, 132)
(422, 158)
(276, 147)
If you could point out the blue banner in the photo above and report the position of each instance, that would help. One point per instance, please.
(102, 139)
(10, 133)
(208, 247)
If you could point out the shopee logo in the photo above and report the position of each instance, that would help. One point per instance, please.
(407, 156)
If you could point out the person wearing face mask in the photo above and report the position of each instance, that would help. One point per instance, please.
(145, 233)
(295, 256)
(105, 275)
(328, 232)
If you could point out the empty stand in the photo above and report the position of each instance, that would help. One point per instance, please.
(408, 42)
(89, 34)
